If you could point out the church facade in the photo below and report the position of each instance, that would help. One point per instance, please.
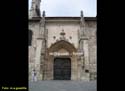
(62, 48)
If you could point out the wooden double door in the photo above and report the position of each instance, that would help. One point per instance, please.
(62, 69)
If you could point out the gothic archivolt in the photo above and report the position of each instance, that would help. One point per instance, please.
(62, 44)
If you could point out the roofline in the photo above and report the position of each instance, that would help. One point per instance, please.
(64, 17)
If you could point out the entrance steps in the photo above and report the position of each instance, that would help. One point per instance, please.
(62, 85)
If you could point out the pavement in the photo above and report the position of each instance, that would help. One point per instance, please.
(63, 85)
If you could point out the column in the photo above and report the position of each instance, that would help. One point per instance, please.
(38, 58)
(83, 47)
(40, 51)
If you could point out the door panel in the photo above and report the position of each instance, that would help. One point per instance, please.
(62, 69)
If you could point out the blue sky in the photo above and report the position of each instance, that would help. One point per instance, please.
(68, 7)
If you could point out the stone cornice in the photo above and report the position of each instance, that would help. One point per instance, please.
(63, 19)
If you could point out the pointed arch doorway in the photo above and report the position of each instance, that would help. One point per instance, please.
(61, 67)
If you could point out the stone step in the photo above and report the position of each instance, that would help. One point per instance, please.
(62, 86)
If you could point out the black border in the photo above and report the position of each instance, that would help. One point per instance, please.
(100, 45)
(14, 44)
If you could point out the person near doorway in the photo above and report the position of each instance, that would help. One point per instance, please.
(34, 75)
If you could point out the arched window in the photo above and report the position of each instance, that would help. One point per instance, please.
(30, 38)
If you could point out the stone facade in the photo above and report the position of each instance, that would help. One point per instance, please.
(62, 35)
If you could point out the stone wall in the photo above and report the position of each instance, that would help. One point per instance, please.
(91, 31)
(71, 29)
(34, 27)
